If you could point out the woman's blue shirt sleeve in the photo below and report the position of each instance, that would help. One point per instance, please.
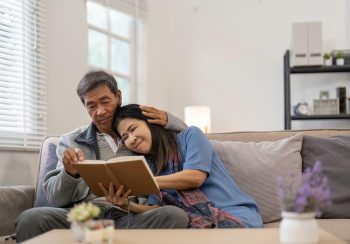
(196, 150)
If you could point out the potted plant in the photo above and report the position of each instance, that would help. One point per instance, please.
(79, 216)
(327, 59)
(339, 58)
(301, 202)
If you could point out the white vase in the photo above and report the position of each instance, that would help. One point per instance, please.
(339, 61)
(298, 228)
(78, 231)
(327, 62)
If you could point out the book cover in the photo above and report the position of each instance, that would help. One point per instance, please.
(132, 172)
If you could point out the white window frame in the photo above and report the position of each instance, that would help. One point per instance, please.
(23, 73)
(137, 9)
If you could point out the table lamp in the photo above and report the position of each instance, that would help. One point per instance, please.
(198, 116)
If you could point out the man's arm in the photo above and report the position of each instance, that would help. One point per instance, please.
(163, 118)
(60, 187)
(175, 124)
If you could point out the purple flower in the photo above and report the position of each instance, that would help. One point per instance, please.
(312, 194)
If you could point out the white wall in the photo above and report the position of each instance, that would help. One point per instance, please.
(347, 10)
(228, 55)
(67, 62)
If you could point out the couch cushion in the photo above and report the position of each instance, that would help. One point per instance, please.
(255, 166)
(258, 136)
(49, 162)
(14, 200)
(334, 154)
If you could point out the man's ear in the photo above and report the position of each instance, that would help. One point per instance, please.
(119, 98)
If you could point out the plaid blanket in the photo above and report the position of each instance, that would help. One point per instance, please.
(201, 212)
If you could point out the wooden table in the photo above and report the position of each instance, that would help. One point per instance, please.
(183, 236)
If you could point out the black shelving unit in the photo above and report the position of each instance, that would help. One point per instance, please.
(288, 71)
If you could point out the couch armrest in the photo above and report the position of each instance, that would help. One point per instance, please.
(13, 201)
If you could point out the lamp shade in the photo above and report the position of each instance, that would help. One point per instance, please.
(198, 116)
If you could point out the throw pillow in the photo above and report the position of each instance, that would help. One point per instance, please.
(50, 164)
(255, 167)
(334, 154)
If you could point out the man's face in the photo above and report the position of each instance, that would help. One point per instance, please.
(101, 103)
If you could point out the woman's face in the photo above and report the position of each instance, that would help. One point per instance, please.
(136, 135)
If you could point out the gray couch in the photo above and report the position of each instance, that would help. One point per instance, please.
(268, 153)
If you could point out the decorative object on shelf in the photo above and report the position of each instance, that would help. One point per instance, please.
(306, 44)
(327, 59)
(80, 215)
(301, 202)
(326, 106)
(341, 95)
(340, 58)
(198, 116)
(302, 108)
(346, 54)
(324, 94)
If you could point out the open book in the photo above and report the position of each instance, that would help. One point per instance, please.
(132, 172)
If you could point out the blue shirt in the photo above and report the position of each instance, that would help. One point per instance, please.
(219, 186)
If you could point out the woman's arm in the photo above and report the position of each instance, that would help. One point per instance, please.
(197, 162)
(183, 180)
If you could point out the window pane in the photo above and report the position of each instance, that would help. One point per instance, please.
(97, 15)
(120, 57)
(120, 23)
(98, 49)
(124, 87)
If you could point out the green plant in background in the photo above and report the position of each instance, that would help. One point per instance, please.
(339, 55)
(326, 56)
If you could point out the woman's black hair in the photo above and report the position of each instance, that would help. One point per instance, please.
(164, 142)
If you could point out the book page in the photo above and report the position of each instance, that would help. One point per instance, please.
(96, 161)
(126, 159)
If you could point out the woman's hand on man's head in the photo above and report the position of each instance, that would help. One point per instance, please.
(156, 116)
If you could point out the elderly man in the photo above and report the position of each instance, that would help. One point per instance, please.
(100, 95)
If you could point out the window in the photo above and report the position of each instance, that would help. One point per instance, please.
(116, 39)
(22, 74)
